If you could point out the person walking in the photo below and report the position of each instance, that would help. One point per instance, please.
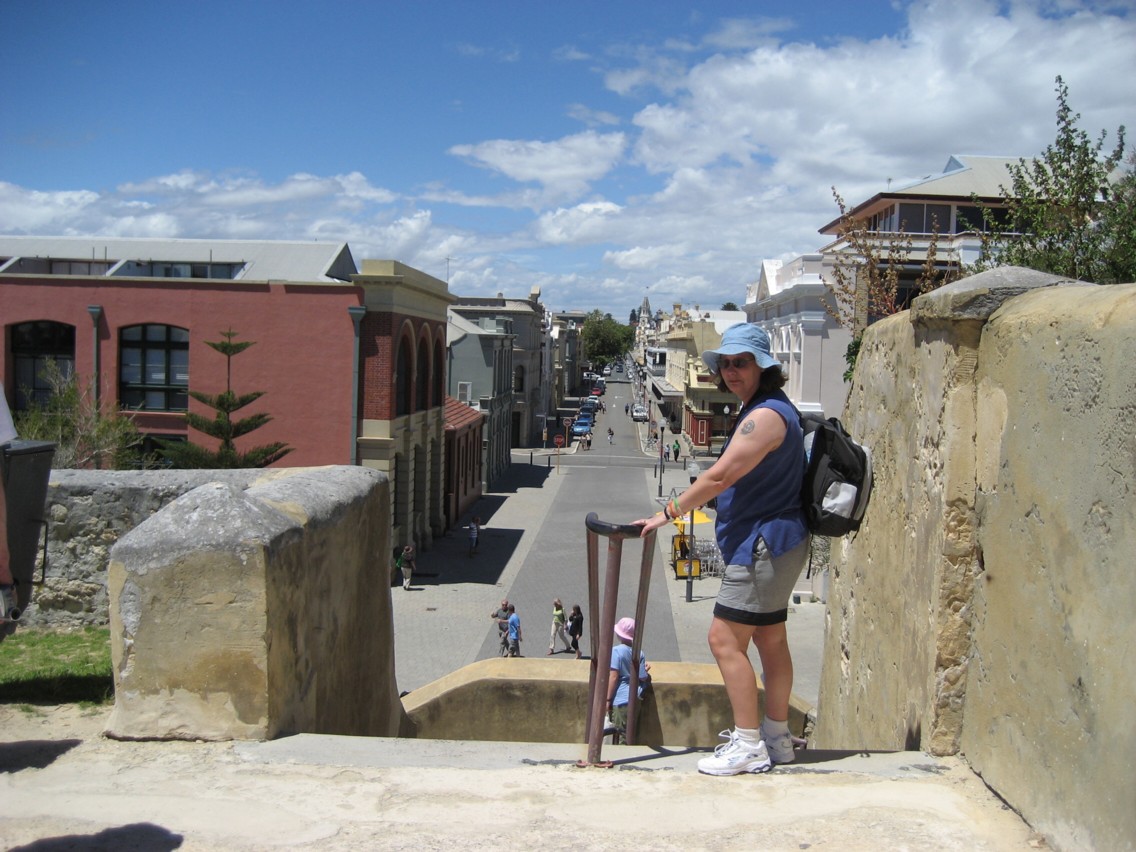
(501, 617)
(610, 435)
(558, 621)
(674, 450)
(761, 533)
(406, 563)
(626, 408)
(513, 628)
(576, 628)
(474, 534)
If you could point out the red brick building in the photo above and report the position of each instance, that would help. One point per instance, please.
(352, 364)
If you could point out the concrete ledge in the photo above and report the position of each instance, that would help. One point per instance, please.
(540, 700)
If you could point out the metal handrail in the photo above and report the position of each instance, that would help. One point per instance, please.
(601, 625)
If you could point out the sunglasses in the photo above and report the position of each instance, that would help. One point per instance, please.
(735, 363)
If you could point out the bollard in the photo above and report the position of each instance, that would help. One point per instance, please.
(549, 462)
(530, 456)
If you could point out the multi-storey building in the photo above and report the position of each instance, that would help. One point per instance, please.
(524, 319)
(352, 364)
(480, 376)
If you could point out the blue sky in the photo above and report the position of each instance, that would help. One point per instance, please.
(602, 151)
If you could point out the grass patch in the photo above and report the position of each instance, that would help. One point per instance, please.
(56, 667)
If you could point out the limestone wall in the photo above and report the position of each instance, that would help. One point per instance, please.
(541, 700)
(256, 612)
(984, 605)
(87, 512)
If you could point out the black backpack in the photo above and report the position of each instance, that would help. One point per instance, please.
(838, 477)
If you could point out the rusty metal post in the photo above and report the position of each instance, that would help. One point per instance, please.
(601, 624)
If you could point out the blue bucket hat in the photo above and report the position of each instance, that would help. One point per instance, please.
(743, 337)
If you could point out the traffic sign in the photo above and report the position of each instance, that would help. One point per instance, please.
(567, 421)
(559, 440)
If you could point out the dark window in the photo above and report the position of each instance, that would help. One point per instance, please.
(33, 345)
(403, 372)
(153, 367)
(938, 219)
(422, 378)
(439, 375)
(911, 218)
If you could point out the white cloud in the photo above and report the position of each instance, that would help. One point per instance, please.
(583, 223)
(564, 167)
(28, 211)
(642, 257)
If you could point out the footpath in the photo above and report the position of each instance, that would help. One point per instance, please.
(63, 786)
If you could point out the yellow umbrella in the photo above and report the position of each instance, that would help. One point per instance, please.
(699, 518)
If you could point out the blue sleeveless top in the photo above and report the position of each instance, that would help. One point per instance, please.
(766, 501)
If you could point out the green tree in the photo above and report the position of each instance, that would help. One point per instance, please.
(85, 435)
(1069, 212)
(634, 318)
(730, 306)
(222, 426)
(604, 339)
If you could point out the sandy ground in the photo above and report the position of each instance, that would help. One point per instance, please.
(64, 786)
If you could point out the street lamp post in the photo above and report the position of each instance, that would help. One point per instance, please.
(692, 470)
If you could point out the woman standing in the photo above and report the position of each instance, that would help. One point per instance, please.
(558, 628)
(764, 543)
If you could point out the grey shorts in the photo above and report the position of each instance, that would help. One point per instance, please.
(758, 594)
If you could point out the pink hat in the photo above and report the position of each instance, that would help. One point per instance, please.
(625, 629)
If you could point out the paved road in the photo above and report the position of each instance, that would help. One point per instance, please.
(533, 550)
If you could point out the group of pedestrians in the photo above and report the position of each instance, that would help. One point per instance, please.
(508, 629)
(568, 628)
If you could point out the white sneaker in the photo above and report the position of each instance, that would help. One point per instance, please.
(779, 746)
(734, 757)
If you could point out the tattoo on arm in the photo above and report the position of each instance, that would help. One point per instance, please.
(747, 427)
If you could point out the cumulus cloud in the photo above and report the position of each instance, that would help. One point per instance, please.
(564, 167)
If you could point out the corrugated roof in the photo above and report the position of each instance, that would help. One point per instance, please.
(458, 415)
(264, 260)
(963, 175)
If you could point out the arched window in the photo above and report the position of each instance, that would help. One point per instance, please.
(34, 344)
(422, 378)
(153, 367)
(519, 380)
(402, 377)
(438, 370)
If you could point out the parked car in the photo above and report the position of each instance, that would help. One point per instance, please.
(589, 406)
(583, 425)
(619, 368)
(639, 413)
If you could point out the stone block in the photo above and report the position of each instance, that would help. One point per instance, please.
(248, 613)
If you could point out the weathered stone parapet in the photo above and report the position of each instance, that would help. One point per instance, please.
(540, 700)
(253, 612)
(983, 605)
(87, 512)
(1049, 721)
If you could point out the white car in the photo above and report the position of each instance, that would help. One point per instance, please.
(607, 371)
(639, 413)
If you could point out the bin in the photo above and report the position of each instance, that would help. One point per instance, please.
(25, 467)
